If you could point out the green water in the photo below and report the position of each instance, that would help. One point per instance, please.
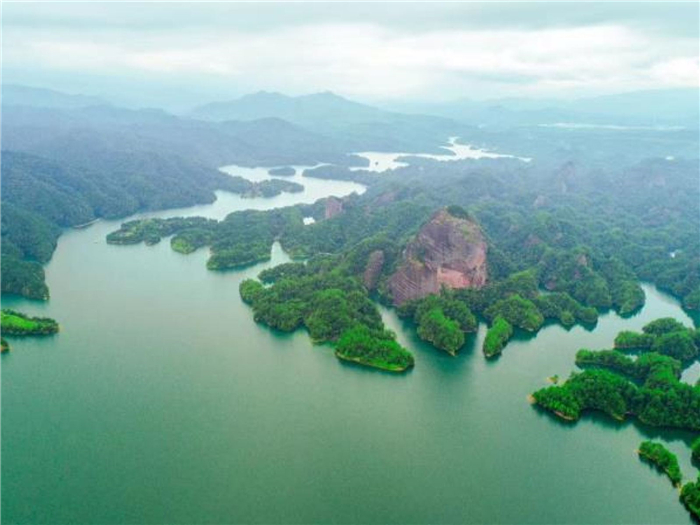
(161, 401)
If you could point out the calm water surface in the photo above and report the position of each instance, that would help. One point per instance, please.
(382, 161)
(161, 401)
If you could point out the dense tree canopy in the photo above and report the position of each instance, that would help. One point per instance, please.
(648, 387)
(663, 459)
(17, 323)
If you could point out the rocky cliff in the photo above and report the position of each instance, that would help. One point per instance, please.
(448, 251)
(373, 270)
(334, 206)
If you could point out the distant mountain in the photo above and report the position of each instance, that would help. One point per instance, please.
(669, 107)
(80, 135)
(303, 110)
(16, 95)
(351, 125)
(64, 167)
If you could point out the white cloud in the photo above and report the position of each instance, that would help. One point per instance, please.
(373, 61)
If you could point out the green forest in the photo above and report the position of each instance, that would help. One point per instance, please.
(662, 459)
(332, 306)
(554, 256)
(647, 387)
(40, 197)
(18, 324)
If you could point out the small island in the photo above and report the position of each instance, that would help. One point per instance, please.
(690, 495)
(648, 387)
(662, 459)
(19, 324)
(272, 188)
(4, 345)
(377, 349)
(283, 171)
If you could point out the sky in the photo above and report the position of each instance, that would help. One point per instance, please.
(186, 53)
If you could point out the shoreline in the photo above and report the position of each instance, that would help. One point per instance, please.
(359, 361)
(85, 224)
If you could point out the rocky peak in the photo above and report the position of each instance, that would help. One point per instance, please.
(448, 251)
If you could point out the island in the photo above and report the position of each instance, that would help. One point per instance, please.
(377, 349)
(18, 324)
(272, 188)
(662, 459)
(648, 387)
(690, 495)
(282, 171)
(4, 345)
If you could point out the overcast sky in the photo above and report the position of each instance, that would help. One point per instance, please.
(368, 51)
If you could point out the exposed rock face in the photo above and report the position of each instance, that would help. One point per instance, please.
(373, 270)
(334, 206)
(448, 251)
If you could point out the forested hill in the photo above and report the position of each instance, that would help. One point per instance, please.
(351, 125)
(66, 161)
(41, 196)
(592, 213)
(559, 244)
(82, 135)
(69, 159)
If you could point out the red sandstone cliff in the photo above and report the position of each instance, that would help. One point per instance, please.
(447, 251)
(334, 206)
(373, 270)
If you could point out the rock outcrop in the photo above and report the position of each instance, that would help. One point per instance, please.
(373, 270)
(448, 251)
(334, 206)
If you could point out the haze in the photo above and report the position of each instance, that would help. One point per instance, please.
(177, 55)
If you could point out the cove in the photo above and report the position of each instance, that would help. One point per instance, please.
(162, 401)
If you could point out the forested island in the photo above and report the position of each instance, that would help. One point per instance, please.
(647, 387)
(662, 459)
(282, 171)
(667, 462)
(272, 188)
(19, 324)
(690, 495)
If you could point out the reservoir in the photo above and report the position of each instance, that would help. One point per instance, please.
(162, 401)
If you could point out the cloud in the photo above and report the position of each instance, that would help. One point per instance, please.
(367, 59)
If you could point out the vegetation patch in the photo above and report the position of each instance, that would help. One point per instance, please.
(662, 459)
(648, 388)
(497, 337)
(16, 323)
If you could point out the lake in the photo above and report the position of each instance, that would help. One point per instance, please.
(162, 401)
(382, 161)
